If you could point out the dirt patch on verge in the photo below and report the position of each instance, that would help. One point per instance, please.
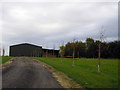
(5, 65)
(62, 78)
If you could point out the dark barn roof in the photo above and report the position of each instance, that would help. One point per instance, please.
(49, 49)
(25, 44)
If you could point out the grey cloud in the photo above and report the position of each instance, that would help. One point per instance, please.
(49, 24)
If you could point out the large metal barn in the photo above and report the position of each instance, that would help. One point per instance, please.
(30, 50)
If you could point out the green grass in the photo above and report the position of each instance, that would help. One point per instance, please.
(5, 59)
(85, 71)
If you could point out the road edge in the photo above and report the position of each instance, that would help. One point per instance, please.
(62, 78)
(7, 64)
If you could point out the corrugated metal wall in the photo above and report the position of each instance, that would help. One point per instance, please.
(26, 50)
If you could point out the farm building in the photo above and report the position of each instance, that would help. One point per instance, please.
(30, 50)
(50, 53)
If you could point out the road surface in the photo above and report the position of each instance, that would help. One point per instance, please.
(27, 73)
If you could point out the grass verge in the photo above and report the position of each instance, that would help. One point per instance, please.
(62, 78)
(85, 71)
(5, 59)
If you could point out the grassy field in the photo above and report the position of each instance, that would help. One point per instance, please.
(85, 71)
(5, 59)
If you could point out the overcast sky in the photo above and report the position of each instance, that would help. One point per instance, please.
(52, 23)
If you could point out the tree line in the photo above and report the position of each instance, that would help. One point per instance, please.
(90, 49)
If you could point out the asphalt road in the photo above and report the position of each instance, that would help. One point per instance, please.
(27, 73)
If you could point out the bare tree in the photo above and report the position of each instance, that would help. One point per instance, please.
(62, 52)
(46, 51)
(78, 49)
(3, 52)
(99, 58)
(99, 46)
(53, 49)
(73, 50)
